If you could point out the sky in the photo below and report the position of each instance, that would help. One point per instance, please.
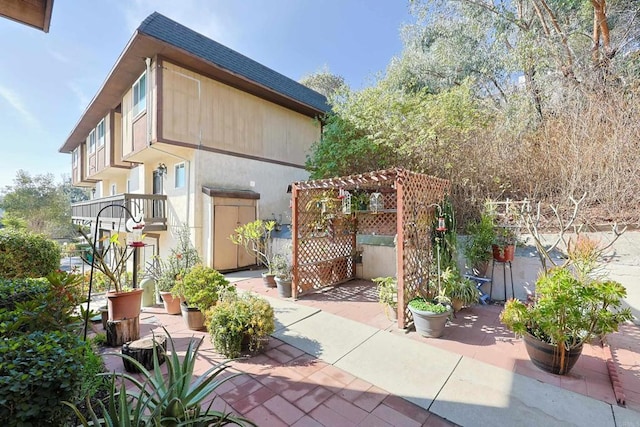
(48, 79)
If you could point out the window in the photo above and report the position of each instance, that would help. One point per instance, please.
(113, 189)
(100, 129)
(92, 142)
(74, 158)
(140, 95)
(180, 175)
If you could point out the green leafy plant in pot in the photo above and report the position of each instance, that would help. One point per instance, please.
(201, 287)
(388, 295)
(565, 313)
(503, 246)
(477, 248)
(109, 255)
(166, 272)
(255, 238)
(283, 270)
(461, 291)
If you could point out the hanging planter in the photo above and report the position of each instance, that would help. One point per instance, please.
(376, 202)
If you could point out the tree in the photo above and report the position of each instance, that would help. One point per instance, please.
(329, 85)
(39, 202)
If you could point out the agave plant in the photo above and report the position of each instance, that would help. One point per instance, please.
(174, 399)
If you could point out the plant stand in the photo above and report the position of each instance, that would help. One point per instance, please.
(142, 351)
(122, 331)
(504, 277)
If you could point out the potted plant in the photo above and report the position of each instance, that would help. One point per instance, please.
(503, 246)
(477, 248)
(109, 256)
(240, 323)
(429, 317)
(388, 296)
(255, 238)
(566, 313)
(165, 278)
(461, 291)
(201, 288)
(167, 272)
(283, 269)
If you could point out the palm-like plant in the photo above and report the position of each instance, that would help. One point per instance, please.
(255, 237)
(174, 399)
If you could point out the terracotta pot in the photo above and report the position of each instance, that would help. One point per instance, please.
(505, 254)
(456, 304)
(193, 318)
(549, 358)
(284, 287)
(269, 280)
(171, 303)
(124, 305)
(428, 324)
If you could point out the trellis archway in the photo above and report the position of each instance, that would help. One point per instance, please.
(324, 227)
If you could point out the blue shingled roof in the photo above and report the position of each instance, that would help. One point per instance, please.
(169, 31)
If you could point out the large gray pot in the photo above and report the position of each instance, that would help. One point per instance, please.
(284, 287)
(428, 324)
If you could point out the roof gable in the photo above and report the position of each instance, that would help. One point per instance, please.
(171, 32)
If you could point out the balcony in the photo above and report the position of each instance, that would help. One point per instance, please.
(153, 208)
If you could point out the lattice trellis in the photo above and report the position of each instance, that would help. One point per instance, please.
(324, 238)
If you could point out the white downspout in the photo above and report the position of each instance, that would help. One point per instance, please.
(148, 103)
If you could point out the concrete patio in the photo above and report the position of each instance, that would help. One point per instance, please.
(336, 360)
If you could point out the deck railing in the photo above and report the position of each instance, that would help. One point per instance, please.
(152, 207)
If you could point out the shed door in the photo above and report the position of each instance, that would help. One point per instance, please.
(226, 255)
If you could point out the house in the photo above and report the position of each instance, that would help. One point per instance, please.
(34, 13)
(187, 131)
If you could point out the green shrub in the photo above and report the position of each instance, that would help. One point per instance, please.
(51, 307)
(37, 372)
(13, 291)
(241, 321)
(24, 255)
(202, 286)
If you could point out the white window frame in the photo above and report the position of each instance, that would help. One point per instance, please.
(74, 157)
(139, 95)
(179, 171)
(92, 142)
(100, 133)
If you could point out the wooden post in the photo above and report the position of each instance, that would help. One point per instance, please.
(121, 331)
(400, 224)
(295, 275)
(142, 351)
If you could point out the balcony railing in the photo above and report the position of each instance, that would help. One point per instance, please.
(152, 207)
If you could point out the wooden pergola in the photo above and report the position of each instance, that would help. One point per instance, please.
(325, 222)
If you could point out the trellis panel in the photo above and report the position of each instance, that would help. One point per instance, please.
(324, 238)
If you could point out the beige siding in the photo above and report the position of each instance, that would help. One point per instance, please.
(199, 110)
(117, 138)
(127, 123)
